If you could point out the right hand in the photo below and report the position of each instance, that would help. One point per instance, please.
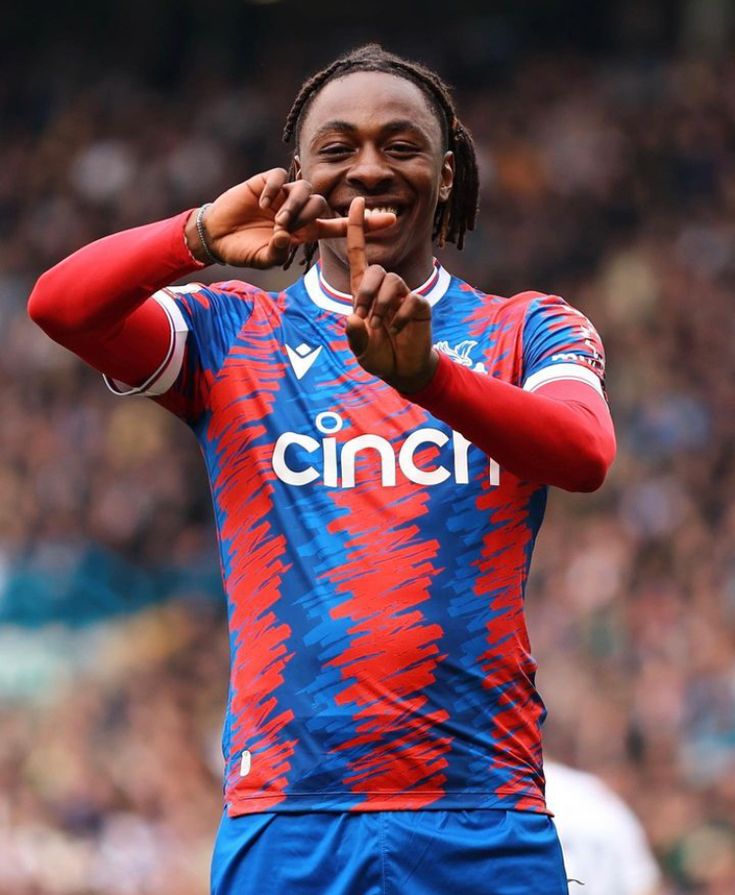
(389, 330)
(258, 222)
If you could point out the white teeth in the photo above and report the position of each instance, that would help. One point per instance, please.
(383, 209)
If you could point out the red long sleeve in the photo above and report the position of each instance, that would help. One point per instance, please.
(95, 302)
(561, 435)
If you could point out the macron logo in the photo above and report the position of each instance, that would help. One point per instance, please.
(302, 358)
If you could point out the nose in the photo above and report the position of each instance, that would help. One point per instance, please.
(369, 170)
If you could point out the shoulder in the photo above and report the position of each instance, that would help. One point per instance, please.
(201, 304)
(533, 307)
(208, 294)
(474, 304)
(459, 288)
(516, 304)
(538, 307)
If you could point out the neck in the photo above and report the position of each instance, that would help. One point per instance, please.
(335, 270)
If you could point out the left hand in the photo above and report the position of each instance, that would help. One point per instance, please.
(259, 221)
(389, 330)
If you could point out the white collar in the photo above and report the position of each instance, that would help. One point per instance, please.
(328, 298)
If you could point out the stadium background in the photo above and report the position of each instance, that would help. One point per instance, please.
(606, 134)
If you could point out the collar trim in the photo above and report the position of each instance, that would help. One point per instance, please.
(328, 298)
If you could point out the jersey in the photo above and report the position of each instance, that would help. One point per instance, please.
(374, 560)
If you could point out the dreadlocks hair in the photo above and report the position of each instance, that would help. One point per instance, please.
(455, 216)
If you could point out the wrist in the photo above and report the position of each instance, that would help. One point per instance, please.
(200, 246)
(413, 385)
(193, 241)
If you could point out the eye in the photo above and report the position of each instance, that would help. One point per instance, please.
(335, 150)
(401, 147)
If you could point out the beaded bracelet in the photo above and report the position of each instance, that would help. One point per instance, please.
(211, 257)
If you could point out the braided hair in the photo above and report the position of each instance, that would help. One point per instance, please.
(453, 217)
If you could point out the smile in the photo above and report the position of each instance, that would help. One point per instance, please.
(381, 209)
(397, 210)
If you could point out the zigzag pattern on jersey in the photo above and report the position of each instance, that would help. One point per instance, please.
(253, 558)
(507, 663)
(391, 653)
(375, 650)
(486, 581)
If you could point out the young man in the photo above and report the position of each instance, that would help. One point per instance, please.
(379, 439)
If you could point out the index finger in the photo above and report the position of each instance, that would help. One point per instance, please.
(356, 242)
(275, 179)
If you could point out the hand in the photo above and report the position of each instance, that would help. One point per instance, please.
(389, 330)
(258, 222)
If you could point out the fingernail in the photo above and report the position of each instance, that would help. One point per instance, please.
(376, 323)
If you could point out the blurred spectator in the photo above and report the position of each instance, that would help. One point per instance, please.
(605, 848)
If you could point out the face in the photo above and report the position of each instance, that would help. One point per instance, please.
(375, 135)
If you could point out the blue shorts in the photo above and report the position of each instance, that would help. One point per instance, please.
(473, 852)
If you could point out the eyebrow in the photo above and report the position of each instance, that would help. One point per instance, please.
(392, 127)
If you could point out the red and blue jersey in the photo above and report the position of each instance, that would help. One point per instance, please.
(374, 560)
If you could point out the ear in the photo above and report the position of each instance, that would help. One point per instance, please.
(447, 177)
(297, 166)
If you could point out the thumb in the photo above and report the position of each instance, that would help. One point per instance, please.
(357, 335)
(279, 246)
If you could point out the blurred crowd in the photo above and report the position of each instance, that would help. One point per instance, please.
(612, 183)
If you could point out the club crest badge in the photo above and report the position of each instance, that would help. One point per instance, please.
(460, 354)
